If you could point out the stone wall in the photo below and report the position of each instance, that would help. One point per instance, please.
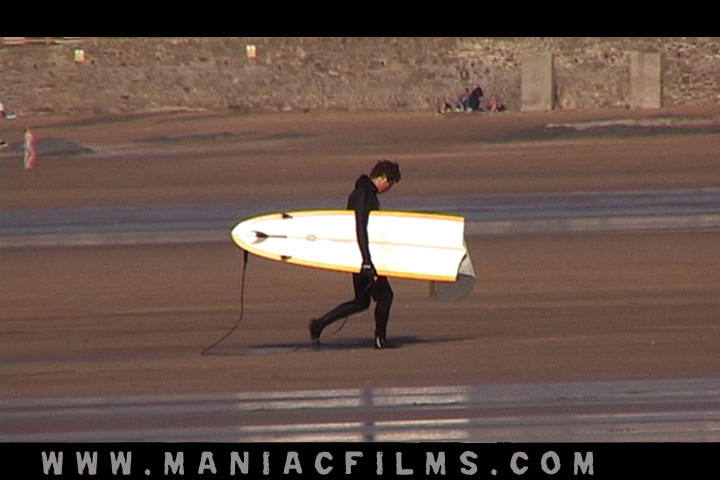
(148, 74)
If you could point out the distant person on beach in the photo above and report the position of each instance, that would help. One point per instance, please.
(495, 105)
(5, 113)
(29, 148)
(474, 102)
(464, 99)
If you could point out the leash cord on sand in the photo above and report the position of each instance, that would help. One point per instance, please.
(242, 308)
(242, 312)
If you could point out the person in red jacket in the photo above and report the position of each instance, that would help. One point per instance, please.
(366, 284)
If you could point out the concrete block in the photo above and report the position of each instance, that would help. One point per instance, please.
(645, 80)
(537, 82)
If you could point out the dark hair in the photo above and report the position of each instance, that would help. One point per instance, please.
(390, 169)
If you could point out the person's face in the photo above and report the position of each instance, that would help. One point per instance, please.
(383, 184)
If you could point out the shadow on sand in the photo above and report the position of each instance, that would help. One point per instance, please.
(326, 345)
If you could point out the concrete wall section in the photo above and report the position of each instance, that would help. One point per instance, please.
(537, 82)
(645, 80)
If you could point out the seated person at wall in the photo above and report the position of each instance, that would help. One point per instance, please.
(445, 105)
(463, 98)
(460, 104)
(474, 102)
(6, 114)
(495, 105)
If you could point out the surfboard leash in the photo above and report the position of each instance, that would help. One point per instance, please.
(242, 309)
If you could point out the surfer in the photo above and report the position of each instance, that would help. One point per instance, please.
(366, 284)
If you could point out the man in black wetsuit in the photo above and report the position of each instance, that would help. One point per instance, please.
(366, 283)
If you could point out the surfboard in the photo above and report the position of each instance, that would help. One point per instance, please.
(421, 246)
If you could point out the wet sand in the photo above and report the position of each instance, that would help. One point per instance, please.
(135, 319)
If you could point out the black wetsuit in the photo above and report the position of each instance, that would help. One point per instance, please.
(363, 200)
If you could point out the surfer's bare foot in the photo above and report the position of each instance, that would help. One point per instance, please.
(316, 327)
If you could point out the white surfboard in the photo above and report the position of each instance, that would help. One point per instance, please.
(402, 244)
